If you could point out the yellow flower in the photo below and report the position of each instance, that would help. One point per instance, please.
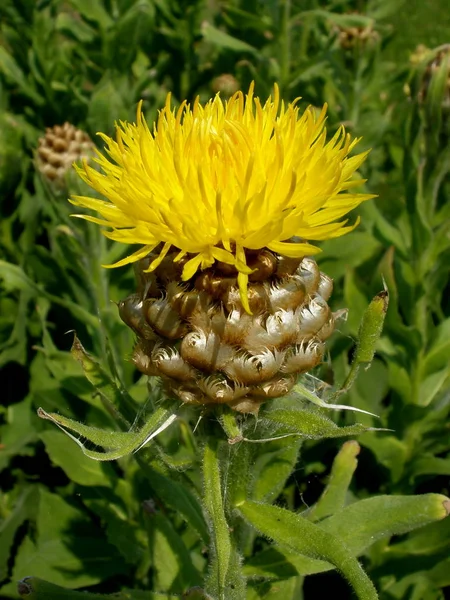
(216, 180)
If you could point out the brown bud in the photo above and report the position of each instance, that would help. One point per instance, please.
(169, 362)
(303, 357)
(287, 293)
(286, 266)
(216, 286)
(163, 319)
(142, 358)
(264, 264)
(309, 273)
(131, 312)
(247, 369)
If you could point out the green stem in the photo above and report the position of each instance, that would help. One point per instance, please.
(285, 42)
(220, 534)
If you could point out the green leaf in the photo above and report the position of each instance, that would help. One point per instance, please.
(14, 73)
(115, 443)
(427, 464)
(289, 589)
(391, 452)
(24, 509)
(363, 523)
(273, 468)
(338, 255)
(345, 20)
(310, 424)
(174, 571)
(14, 278)
(107, 104)
(68, 549)
(78, 467)
(334, 496)
(219, 38)
(432, 385)
(295, 533)
(18, 433)
(93, 11)
(33, 588)
(269, 564)
(430, 539)
(176, 496)
(71, 25)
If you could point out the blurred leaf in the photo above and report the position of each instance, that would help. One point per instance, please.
(334, 496)
(219, 38)
(24, 509)
(68, 548)
(391, 452)
(437, 357)
(432, 385)
(78, 468)
(15, 279)
(93, 11)
(18, 432)
(339, 254)
(33, 588)
(170, 557)
(270, 564)
(107, 104)
(288, 589)
(433, 538)
(11, 69)
(73, 26)
(427, 464)
(342, 20)
(178, 497)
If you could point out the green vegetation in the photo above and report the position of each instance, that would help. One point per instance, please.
(182, 515)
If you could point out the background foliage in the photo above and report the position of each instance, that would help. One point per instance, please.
(127, 524)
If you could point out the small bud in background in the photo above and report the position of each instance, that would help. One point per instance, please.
(429, 90)
(58, 149)
(431, 74)
(225, 84)
(354, 37)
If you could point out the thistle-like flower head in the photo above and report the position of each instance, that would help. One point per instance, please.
(220, 180)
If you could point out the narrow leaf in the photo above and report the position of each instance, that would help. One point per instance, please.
(363, 523)
(310, 424)
(295, 533)
(219, 38)
(333, 497)
(115, 443)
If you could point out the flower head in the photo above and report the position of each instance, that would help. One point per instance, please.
(219, 180)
